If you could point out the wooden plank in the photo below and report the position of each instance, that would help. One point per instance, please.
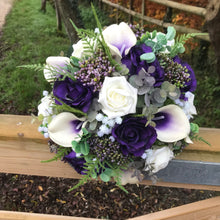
(23, 154)
(21, 127)
(183, 7)
(206, 209)
(9, 215)
(178, 28)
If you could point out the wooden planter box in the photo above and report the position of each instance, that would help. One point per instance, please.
(22, 148)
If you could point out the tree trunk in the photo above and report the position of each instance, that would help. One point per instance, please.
(67, 13)
(43, 5)
(213, 25)
(59, 21)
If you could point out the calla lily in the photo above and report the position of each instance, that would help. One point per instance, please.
(172, 124)
(54, 65)
(64, 128)
(120, 38)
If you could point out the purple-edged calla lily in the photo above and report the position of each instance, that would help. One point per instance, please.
(64, 128)
(120, 38)
(54, 65)
(172, 124)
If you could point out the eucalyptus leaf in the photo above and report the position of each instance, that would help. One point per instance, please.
(108, 172)
(161, 38)
(148, 57)
(74, 144)
(171, 33)
(77, 149)
(104, 177)
(150, 43)
(194, 128)
(84, 148)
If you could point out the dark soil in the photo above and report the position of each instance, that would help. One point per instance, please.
(95, 199)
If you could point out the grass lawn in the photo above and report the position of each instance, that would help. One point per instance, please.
(29, 37)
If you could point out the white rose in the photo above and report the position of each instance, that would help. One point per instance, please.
(79, 51)
(45, 107)
(54, 65)
(158, 159)
(117, 97)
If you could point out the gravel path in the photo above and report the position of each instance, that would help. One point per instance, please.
(5, 7)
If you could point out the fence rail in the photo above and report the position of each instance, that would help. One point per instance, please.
(22, 148)
(179, 28)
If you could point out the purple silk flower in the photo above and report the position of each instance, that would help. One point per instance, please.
(76, 163)
(134, 136)
(73, 93)
(135, 64)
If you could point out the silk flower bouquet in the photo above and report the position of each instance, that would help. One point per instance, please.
(121, 105)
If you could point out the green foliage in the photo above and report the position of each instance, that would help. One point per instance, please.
(64, 107)
(34, 67)
(88, 17)
(61, 152)
(180, 41)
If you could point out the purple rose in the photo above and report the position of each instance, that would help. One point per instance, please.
(192, 83)
(76, 163)
(73, 93)
(134, 136)
(135, 64)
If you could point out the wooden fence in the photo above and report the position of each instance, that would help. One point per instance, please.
(170, 4)
(22, 148)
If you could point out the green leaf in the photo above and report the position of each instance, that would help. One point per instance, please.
(85, 131)
(78, 148)
(104, 177)
(94, 175)
(149, 57)
(171, 33)
(74, 144)
(74, 61)
(40, 117)
(150, 43)
(181, 48)
(84, 146)
(154, 34)
(194, 128)
(108, 172)
(161, 39)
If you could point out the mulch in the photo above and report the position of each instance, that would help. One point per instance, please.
(95, 199)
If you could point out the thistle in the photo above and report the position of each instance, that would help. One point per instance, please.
(175, 73)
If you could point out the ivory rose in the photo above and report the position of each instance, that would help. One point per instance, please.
(117, 97)
(158, 159)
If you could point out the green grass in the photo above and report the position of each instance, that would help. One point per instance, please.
(29, 37)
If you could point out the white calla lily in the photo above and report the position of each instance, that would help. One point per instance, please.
(54, 64)
(64, 128)
(120, 38)
(172, 124)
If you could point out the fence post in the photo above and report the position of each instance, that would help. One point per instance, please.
(142, 12)
(168, 16)
(130, 8)
(213, 21)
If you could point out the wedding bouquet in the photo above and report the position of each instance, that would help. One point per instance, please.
(121, 105)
